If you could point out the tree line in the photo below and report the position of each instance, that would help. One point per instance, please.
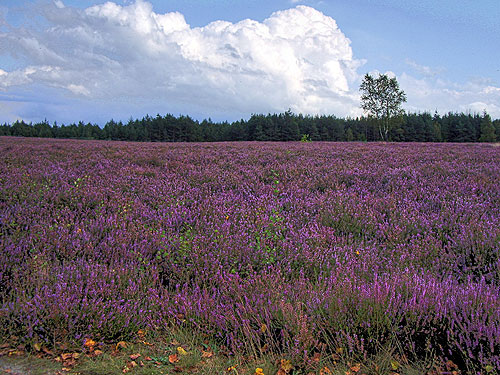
(409, 127)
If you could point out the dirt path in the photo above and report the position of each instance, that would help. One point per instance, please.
(22, 366)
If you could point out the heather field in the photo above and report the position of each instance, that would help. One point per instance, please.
(312, 252)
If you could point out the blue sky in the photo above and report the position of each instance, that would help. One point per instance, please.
(69, 60)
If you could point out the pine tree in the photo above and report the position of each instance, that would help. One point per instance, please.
(487, 129)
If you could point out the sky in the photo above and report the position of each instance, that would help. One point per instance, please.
(91, 60)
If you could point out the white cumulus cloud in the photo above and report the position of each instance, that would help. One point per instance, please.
(443, 96)
(296, 58)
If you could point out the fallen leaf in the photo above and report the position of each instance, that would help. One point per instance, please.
(181, 350)
(97, 352)
(37, 346)
(286, 366)
(89, 343)
(325, 371)
(132, 364)
(148, 359)
(173, 358)
(133, 357)
(69, 363)
(47, 351)
(141, 333)
(174, 342)
(259, 371)
(394, 365)
(356, 367)
(263, 328)
(206, 354)
(66, 369)
(316, 357)
(121, 344)
(66, 356)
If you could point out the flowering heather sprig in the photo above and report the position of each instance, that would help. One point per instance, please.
(268, 246)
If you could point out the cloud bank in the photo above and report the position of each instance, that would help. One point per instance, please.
(119, 61)
(297, 58)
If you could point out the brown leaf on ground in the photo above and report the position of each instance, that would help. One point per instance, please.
(133, 357)
(132, 364)
(174, 342)
(356, 367)
(325, 371)
(66, 356)
(206, 353)
(286, 365)
(47, 351)
(121, 344)
(97, 352)
(89, 343)
(173, 358)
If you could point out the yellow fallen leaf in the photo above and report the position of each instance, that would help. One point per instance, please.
(181, 350)
(394, 365)
(121, 344)
(259, 371)
(66, 356)
(263, 328)
(286, 365)
(37, 346)
(89, 343)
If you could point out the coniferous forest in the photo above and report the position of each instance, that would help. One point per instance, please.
(411, 127)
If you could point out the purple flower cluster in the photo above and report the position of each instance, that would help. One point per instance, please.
(262, 246)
